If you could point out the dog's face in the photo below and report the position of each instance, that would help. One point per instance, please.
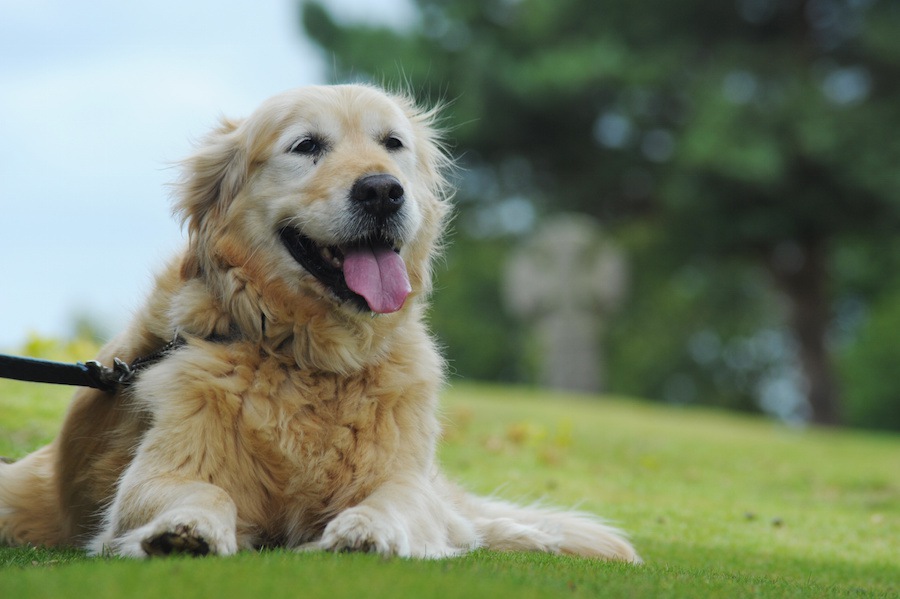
(333, 193)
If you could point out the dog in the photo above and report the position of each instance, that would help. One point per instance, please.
(300, 408)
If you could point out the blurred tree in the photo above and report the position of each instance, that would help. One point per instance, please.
(467, 313)
(754, 130)
(89, 327)
(785, 153)
(870, 369)
(701, 331)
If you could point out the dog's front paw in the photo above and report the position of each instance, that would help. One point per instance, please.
(189, 533)
(364, 529)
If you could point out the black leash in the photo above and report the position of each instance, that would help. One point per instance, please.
(88, 374)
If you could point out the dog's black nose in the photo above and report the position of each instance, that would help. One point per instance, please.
(380, 195)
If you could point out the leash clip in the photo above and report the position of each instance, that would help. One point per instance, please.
(107, 378)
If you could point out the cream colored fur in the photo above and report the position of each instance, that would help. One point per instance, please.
(289, 418)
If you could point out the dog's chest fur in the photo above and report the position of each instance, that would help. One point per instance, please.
(291, 447)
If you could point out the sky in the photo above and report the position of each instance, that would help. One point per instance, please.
(98, 100)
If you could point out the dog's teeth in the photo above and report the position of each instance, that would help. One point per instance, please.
(329, 256)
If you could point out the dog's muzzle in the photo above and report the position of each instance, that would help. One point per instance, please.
(368, 270)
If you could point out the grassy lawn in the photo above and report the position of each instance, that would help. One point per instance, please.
(719, 505)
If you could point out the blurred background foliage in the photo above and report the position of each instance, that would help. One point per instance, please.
(744, 154)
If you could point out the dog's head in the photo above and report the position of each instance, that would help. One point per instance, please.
(330, 195)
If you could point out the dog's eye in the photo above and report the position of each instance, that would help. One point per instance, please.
(306, 145)
(392, 143)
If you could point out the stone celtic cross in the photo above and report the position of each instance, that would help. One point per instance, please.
(565, 282)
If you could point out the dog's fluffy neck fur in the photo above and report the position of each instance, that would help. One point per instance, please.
(316, 335)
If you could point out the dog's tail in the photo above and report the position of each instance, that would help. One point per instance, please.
(29, 504)
(504, 526)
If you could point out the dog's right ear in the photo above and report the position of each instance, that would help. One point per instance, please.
(210, 179)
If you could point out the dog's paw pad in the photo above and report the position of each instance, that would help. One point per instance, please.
(179, 541)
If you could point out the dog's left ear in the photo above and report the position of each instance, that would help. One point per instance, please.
(211, 178)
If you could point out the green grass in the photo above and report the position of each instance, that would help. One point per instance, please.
(719, 505)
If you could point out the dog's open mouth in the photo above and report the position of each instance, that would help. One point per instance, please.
(369, 272)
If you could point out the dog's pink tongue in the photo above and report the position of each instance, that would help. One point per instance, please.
(379, 275)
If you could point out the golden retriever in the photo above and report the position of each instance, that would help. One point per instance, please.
(301, 409)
